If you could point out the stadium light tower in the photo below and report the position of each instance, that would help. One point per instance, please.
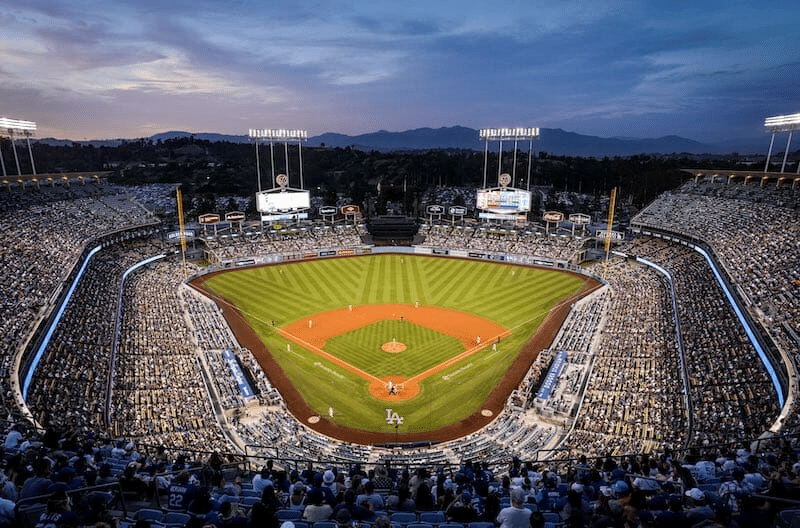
(25, 128)
(781, 123)
(508, 134)
(280, 135)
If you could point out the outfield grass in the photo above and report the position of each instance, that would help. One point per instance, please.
(517, 298)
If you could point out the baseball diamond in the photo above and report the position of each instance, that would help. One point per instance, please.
(321, 330)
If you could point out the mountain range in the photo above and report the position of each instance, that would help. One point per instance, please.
(551, 140)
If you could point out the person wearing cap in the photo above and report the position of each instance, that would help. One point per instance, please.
(697, 509)
(13, 439)
(461, 509)
(37, 484)
(620, 498)
(515, 515)
(327, 494)
(335, 483)
(58, 513)
(674, 515)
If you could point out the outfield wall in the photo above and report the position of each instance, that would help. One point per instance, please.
(507, 258)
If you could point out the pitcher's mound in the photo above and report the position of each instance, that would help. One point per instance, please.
(393, 347)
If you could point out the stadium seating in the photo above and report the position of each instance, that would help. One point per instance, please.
(620, 382)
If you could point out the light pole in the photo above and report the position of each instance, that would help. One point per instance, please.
(509, 134)
(781, 123)
(26, 128)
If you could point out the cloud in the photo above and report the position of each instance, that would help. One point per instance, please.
(344, 65)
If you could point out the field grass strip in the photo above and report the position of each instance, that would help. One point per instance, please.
(455, 359)
(318, 351)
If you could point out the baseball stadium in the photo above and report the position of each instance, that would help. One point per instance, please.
(313, 349)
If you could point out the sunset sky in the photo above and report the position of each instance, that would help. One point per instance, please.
(706, 70)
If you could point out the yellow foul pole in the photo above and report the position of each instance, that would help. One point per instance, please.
(611, 204)
(183, 233)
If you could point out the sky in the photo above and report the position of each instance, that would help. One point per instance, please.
(707, 70)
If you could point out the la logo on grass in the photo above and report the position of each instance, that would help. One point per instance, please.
(392, 418)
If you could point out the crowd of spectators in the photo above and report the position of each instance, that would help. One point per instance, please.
(284, 241)
(44, 234)
(731, 392)
(634, 399)
(81, 478)
(502, 241)
(159, 391)
(754, 232)
(621, 342)
(70, 384)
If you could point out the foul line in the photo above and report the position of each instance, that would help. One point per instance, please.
(329, 357)
(455, 359)
(369, 377)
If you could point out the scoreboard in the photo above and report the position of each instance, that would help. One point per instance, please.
(504, 200)
(282, 201)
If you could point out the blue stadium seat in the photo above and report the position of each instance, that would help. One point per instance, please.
(176, 519)
(432, 517)
(551, 517)
(289, 515)
(403, 518)
(149, 514)
(249, 501)
(451, 525)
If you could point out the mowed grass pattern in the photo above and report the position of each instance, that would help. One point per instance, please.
(515, 297)
(362, 348)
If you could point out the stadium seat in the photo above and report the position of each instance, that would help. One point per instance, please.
(431, 517)
(419, 525)
(451, 525)
(480, 524)
(789, 518)
(403, 518)
(249, 501)
(176, 519)
(325, 524)
(551, 517)
(289, 515)
(149, 514)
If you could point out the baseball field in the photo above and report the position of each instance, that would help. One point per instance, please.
(394, 346)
